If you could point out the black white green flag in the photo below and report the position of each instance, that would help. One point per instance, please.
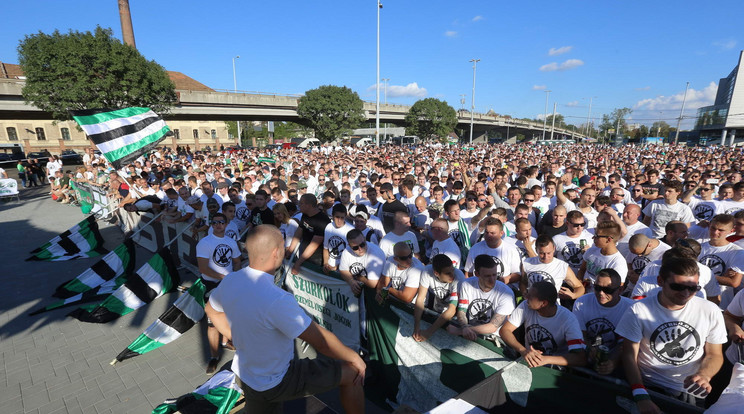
(122, 135)
(82, 240)
(95, 294)
(152, 280)
(118, 262)
(216, 396)
(174, 322)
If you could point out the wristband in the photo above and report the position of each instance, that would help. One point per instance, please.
(639, 392)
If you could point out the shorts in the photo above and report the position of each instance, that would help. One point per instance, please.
(208, 287)
(304, 377)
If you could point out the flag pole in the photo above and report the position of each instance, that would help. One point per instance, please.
(143, 227)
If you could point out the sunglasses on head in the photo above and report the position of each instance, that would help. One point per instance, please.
(359, 246)
(678, 287)
(606, 289)
(406, 257)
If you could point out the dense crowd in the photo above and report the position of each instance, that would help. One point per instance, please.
(626, 259)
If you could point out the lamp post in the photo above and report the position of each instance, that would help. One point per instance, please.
(545, 117)
(472, 100)
(386, 80)
(377, 83)
(681, 111)
(589, 117)
(235, 89)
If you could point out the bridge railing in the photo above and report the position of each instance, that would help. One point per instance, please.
(285, 95)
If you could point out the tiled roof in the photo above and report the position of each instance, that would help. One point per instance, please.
(10, 71)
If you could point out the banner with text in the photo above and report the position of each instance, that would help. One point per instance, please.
(8, 187)
(329, 301)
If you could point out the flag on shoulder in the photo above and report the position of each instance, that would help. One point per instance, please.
(122, 135)
(82, 240)
(118, 262)
(216, 396)
(152, 280)
(174, 322)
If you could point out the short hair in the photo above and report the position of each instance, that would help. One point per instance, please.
(574, 215)
(543, 240)
(216, 215)
(227, 204)
(614, 276)
(739, 215)
(521, 207)
(338, 208)
(638, 241)
(672, 224)
(309, 199)
(682, 266)
(262, 193)
(603, 200)
(675, 185)
(400, 245)
(483, 261)
(440, 262)
(722, 219)
(545, 291)
(353, 234)
(449, 204)
(611, 227)
(521, 220)
(171, 192)
(493, 221)
(386, 187)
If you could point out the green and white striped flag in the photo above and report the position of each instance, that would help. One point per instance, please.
(156, 277)
(97, 293)
(122, 135)
(216, 396)
(82, 240)
(119, 261)
(174, 322)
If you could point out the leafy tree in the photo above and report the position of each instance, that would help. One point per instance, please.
(429, 118)
(84, 70)
(661, 129)
(331, 111)
(559, 121)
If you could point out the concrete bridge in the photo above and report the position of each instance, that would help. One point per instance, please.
(229, 106)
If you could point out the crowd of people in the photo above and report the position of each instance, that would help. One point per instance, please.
(628, 260)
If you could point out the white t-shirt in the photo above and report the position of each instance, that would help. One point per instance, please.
(520, 245)
(449, 248)
(220, 251)
(662, 213)
(736, 308)
(555, 335)
(719, 259)
(388, 242)
(288, 230)
(638, 263)
(334, 240)
(506, 257)
(231, 230)
(440, 295)
(671, 342)
(400, 279)
(596, 261)
(480, 306)
(597, 320)
(265, 320)
(370, 265)
(731, 206)
(569, 249)
(537, 271)
(703, 209)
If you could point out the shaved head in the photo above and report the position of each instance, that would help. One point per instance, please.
(264, 243)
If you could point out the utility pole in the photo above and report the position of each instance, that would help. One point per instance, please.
(235, 89)
(545, 117)
(679, 120)
(127, 32)
(658, 128)
(377, 105)
(386, 81)
(472, 101)
(589, 118)
(552, 126)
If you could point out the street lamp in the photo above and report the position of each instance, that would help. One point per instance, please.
(386, 81)
(472, 100)
(235, 89)
(589, 118)
(681, 111)
(545, 117)
(377, 83)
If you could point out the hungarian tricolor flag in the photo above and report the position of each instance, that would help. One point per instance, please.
(122, 135)
(216, 396)
(82, 240)
(174, 322)
(156, 277)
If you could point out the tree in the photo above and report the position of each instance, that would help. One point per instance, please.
(661, 129)
(331, 111)
(559, 121)
(84, 70)
(610, 121)
(429, 118)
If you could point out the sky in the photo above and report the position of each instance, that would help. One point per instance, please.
(636, 54)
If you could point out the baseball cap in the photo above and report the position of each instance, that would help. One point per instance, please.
(222, 185)
(301, 184)
(361, 211)
(584, 180)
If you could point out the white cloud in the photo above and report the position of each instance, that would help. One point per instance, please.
(559, 51)
(450, 33)
(477, 18)
(572, 104)
(695, 99)
(643, 88)
(412, 90)
(725, 44)
(539, 87)
(569, 64)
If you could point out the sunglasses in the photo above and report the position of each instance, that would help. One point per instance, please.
(406, 257)
(359, 246)
(481, 200)
(678, 287)
(597, 236)
(706, 189)
(578, 224)
(606, 289)
(529, 200)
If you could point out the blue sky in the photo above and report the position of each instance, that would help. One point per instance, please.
(625, 54)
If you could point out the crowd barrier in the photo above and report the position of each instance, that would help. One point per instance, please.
(94, 199)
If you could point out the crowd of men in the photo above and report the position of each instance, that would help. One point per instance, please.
(628, 260)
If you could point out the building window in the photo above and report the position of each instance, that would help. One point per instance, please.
(65, 134)
(214, 134)
(196, 134)
(40, 135)
(177, 133)
(12, 134)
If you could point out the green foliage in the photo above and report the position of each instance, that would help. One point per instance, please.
(610, 121)
(429, 118)
(84, 70)
(331, 111)
(559, 121)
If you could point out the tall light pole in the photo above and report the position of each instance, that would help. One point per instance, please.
(235, 89)
(545, 117)
(386, 80)
(589, 118)
(681, 111)
(377, 102)
(658, 128)
(472, 100)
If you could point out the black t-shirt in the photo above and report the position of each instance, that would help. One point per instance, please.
(312, 226)
(265, 216)
(658, 188)
(388, 213)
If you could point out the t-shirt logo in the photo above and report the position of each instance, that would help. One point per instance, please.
(703, 212)
(441, 292)
(456, 236)
(222, 255)
(434, 252)
(336, 245)
(396, 282)
(602, 327)
(539, 276)
(357, 270)
(733, 210)
(715, 263)
(522, 252)
(231, 234)
(257, 221)
(243, 214)
(573, 254)
(639, 263)
(499, 267)
(480, 310)
(541, 339)
(675, 343)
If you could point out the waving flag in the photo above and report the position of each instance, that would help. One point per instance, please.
(216, 396)
(152, 280)
(82, 240)
(122, 135)
(174, 322)
(118, 262)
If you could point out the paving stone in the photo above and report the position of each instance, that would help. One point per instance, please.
(34, 396)
(90, 397)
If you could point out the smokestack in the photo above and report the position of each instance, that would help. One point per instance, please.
(127, 32)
